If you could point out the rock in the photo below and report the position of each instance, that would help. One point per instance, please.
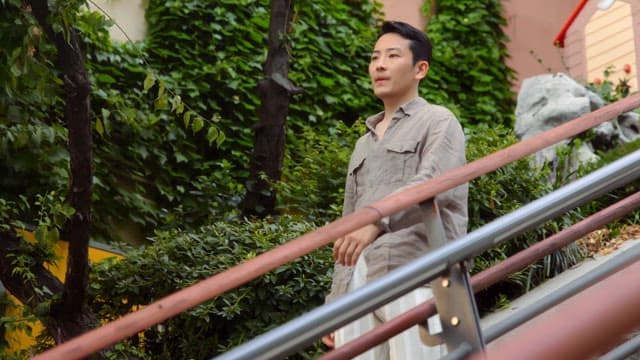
(629, 125)
(605, 136)
(549, 100)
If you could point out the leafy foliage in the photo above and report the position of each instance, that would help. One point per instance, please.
(468, 73)
(617, 194)
(607, 89)
(314, 172)
(155, 169)
(500, 192)
(178, 259)
(171, 173)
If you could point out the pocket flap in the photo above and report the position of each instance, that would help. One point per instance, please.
(403, 146)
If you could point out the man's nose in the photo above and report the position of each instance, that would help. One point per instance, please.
(380, 64)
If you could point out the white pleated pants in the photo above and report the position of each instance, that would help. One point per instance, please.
(404, 346)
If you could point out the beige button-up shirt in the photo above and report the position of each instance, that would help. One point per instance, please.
(421, 142)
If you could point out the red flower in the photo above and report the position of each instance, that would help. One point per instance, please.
(627, 68)
(597, 81)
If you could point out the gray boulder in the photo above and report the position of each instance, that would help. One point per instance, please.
(549, 100)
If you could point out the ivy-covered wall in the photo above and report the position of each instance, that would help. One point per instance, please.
(468, 72)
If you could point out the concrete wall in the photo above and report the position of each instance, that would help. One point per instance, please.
(129, 14)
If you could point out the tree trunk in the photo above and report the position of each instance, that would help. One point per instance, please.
(269, 134)
(71, 316)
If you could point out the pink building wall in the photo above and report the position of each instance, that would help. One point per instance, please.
(408, 11)
(532, 26)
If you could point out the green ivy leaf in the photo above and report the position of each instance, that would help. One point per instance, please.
(220, 139)
(187, 118)
(161, 88)
(212, 134)
(161, 102)
(149, 81)
(198, 124)
(41, 234)
(175, 102)
(99, 127)
(52, 236)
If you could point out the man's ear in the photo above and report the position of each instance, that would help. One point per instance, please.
(422, 68)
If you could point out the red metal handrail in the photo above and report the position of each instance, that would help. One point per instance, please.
(584, 326)
(215, 285)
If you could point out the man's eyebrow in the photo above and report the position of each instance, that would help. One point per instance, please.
(386, 50)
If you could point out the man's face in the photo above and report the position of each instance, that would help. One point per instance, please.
(391, 69)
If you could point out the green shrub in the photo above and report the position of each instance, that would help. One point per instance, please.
(178, 259)
(501, 192)
(314, 171)
(617, 194)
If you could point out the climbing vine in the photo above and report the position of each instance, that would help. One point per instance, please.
(468, 72)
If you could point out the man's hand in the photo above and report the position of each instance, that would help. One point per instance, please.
(329, 340)
(347, 249)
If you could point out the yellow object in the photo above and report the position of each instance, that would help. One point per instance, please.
(20, 340)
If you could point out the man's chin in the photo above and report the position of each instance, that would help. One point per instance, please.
(381, 93)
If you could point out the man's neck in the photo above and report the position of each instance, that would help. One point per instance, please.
(392, 105)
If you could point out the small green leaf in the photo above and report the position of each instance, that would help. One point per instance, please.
(198, 124)
(105, 113)
(41, 233)
(68, 210)
(15, 70)
(221, 137)
(161, 88)
(175, 102)
(99, 127)
(52, 236)
(212, 134)
(149, 80)
(161, 102)
(187, 118)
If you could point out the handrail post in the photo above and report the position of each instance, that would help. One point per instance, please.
(453, 294)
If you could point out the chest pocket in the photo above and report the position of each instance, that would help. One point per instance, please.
(401, 160)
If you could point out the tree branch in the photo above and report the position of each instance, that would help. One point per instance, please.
(23, 290)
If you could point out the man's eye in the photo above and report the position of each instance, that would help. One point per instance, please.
(394, 55)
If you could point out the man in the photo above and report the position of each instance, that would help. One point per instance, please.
(407, 143)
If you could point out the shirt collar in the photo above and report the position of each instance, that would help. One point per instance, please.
(406, 109)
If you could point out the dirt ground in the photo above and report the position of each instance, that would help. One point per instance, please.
(603, 242)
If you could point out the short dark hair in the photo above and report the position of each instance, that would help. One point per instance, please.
(420, 45)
